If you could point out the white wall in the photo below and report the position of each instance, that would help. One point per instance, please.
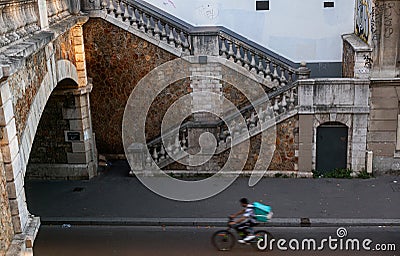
(296, 29)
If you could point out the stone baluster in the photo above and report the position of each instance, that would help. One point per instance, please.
(133, 20)
(253, 67)
(10, 24)
(17, 20)
(21, 16)
(223, 50)
(3, 28)
(177, 145)
(118, 10)
(252, 120)
(231, 53)
(284, 102)
(148, 161)
(260, 68)
(164, 31)
(261, 115)
(283, 79)
(151, 25)
(185, 42)
(156, 30)
(110, 6)
(275, 76)
(169, 149)
(177, 39)
(32, 23)
(276, 105)
(59, 9)
(155, 154)
(246, 59)
(184, 141)
(50, 10)
(291, 99)
(162, 153)
(125, 11)
(171, 38)
(268, 70)
(141, 23)
(239, 59)
(147, 23)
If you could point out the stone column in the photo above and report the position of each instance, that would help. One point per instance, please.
(205, 77)
(306, 120)
(82, 161)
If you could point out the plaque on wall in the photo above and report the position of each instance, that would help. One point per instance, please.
(73, 136)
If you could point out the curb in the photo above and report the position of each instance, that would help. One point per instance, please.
(217, 222)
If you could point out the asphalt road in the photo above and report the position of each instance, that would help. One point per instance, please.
(116, 241)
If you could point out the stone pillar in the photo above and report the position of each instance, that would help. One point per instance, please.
(357, 60)
(386, 39)
(12, 163)
(82, 161)
(205, 77)
(306, 120)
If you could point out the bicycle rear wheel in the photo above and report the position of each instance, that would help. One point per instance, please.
(223, 240)
(261, 238)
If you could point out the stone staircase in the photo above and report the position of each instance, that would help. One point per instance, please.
(277, 75)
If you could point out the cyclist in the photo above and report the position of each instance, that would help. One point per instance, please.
(246, 222)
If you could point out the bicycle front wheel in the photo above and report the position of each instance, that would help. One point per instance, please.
(223, 240)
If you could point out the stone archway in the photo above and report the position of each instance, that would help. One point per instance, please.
(16, 146)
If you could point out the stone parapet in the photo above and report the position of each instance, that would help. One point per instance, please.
(357, 57)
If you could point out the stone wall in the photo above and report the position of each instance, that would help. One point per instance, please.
(284, 158)
(6, 227)
(49, 145)
(24, 84)
(383, 126)
(117, 60)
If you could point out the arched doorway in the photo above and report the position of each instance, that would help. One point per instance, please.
(332, 138)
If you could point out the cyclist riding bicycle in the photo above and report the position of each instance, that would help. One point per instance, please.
(246, 222)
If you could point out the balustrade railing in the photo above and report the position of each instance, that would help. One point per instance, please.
(17, 20)
(57, 9)
(281, 102)
(273, 69)
(147, 22)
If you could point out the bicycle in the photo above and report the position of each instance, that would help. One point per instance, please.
(224, 240)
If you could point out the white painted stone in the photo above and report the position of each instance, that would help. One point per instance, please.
(8, 132)
(13, 169)
(6, 113)
(11, 150)
(5, 93)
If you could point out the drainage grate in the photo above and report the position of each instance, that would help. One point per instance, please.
(395, 187)
(78, 189)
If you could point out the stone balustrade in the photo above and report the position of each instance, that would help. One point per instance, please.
(140, 19)
(57, 10)
(273, 71)
(282, 103)
(17, 20)
(151, 23)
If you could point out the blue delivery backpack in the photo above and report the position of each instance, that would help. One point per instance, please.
(262, 212)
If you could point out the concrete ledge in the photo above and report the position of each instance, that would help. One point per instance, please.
(218, 222)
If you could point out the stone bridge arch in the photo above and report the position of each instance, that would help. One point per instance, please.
(18, 133)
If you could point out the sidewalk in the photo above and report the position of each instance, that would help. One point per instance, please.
(114, 198)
